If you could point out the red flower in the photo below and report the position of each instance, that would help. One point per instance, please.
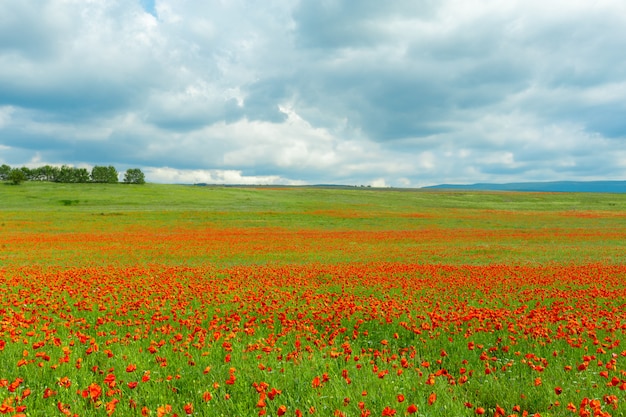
(261, 403)
(64, 408)
(412, 409)
(389, 411)
(94, 391)
(48, 393)
(273, 393)
(26, 393)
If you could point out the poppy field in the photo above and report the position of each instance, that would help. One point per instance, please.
(174, 301)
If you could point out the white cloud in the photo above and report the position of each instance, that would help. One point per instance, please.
(198, 176)
(401, 93)
(5, 115)
(379, 182)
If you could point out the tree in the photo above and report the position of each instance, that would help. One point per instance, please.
(64, 174)
(4, 172)
(28, 173)
(16, 176)
(49, 173)
(81, 175)
(71, 174)
(104, 174)
(37, 174)
(134, 176)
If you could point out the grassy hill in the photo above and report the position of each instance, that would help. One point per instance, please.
(45, 196)
(553, 186)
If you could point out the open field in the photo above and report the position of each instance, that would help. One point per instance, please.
(167, 300)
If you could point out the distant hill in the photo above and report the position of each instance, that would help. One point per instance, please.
(553, 186)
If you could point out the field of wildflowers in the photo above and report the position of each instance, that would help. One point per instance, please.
(374, 304)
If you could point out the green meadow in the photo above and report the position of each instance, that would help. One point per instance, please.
(53, 197)
(431, 226)
(173, 300)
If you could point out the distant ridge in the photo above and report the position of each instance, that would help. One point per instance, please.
(552, 186)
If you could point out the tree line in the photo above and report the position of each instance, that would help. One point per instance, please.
(68, 174)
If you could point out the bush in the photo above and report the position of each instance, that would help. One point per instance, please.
(16, 176)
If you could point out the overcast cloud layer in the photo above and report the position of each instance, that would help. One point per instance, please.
(388, 93)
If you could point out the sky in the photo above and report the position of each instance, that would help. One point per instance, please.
(394, 93)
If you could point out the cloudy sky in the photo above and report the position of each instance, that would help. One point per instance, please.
(400, 93)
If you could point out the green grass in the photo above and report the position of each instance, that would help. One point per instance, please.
(93, 197)
(284, 202)
(126, 267)
(417, 226)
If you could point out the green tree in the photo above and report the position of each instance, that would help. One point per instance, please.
(134, 176)
(48, 173)
(16, 176)
(37, 174)
(4, 172)
(64, 174)
(80, 175)
(52, 173)
(104, 174)
(71, 174)
(28, 173)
